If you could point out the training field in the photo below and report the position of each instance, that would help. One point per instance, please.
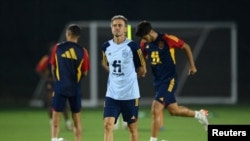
(32, 124)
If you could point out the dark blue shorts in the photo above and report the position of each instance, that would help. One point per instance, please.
(165, 92)
(128, 108)
(59, 102)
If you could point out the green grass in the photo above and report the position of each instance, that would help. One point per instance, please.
(32, 124)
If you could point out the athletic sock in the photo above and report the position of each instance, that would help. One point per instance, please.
(54, 139)
(68, 122)
(197, 115)
(153, 139)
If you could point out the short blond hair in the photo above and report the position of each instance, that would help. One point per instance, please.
(119, 17)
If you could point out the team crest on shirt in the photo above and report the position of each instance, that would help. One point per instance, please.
(124, 53)
(161, 44)
(161, 99)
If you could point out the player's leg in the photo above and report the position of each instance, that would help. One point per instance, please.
(162, 121)
(48, 99)
(176, 110)
(156, 110)
(58, 105)
(108, 128)
(55, 126)
(77, 126)
(157, 107)
(66, 114)
(75, 107)
(110, 115)
(49, 108)
(133, 129)
(130, 108)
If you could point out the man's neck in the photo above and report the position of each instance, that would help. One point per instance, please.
(119, 39)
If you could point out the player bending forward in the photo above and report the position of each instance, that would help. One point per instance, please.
(158, 49)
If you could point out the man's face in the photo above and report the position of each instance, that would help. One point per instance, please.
(148, 37)
(118, 27)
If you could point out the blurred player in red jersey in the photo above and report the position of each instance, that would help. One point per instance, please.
(43, 69)
(158, 48)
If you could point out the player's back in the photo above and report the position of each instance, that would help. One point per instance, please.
(69, 57)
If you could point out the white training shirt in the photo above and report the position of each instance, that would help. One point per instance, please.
(122, 81)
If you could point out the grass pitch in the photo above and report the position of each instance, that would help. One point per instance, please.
(32, 124)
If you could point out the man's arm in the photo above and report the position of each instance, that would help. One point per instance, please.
(141, 71)
(192, 68)
(86, 63)
(104, 62)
